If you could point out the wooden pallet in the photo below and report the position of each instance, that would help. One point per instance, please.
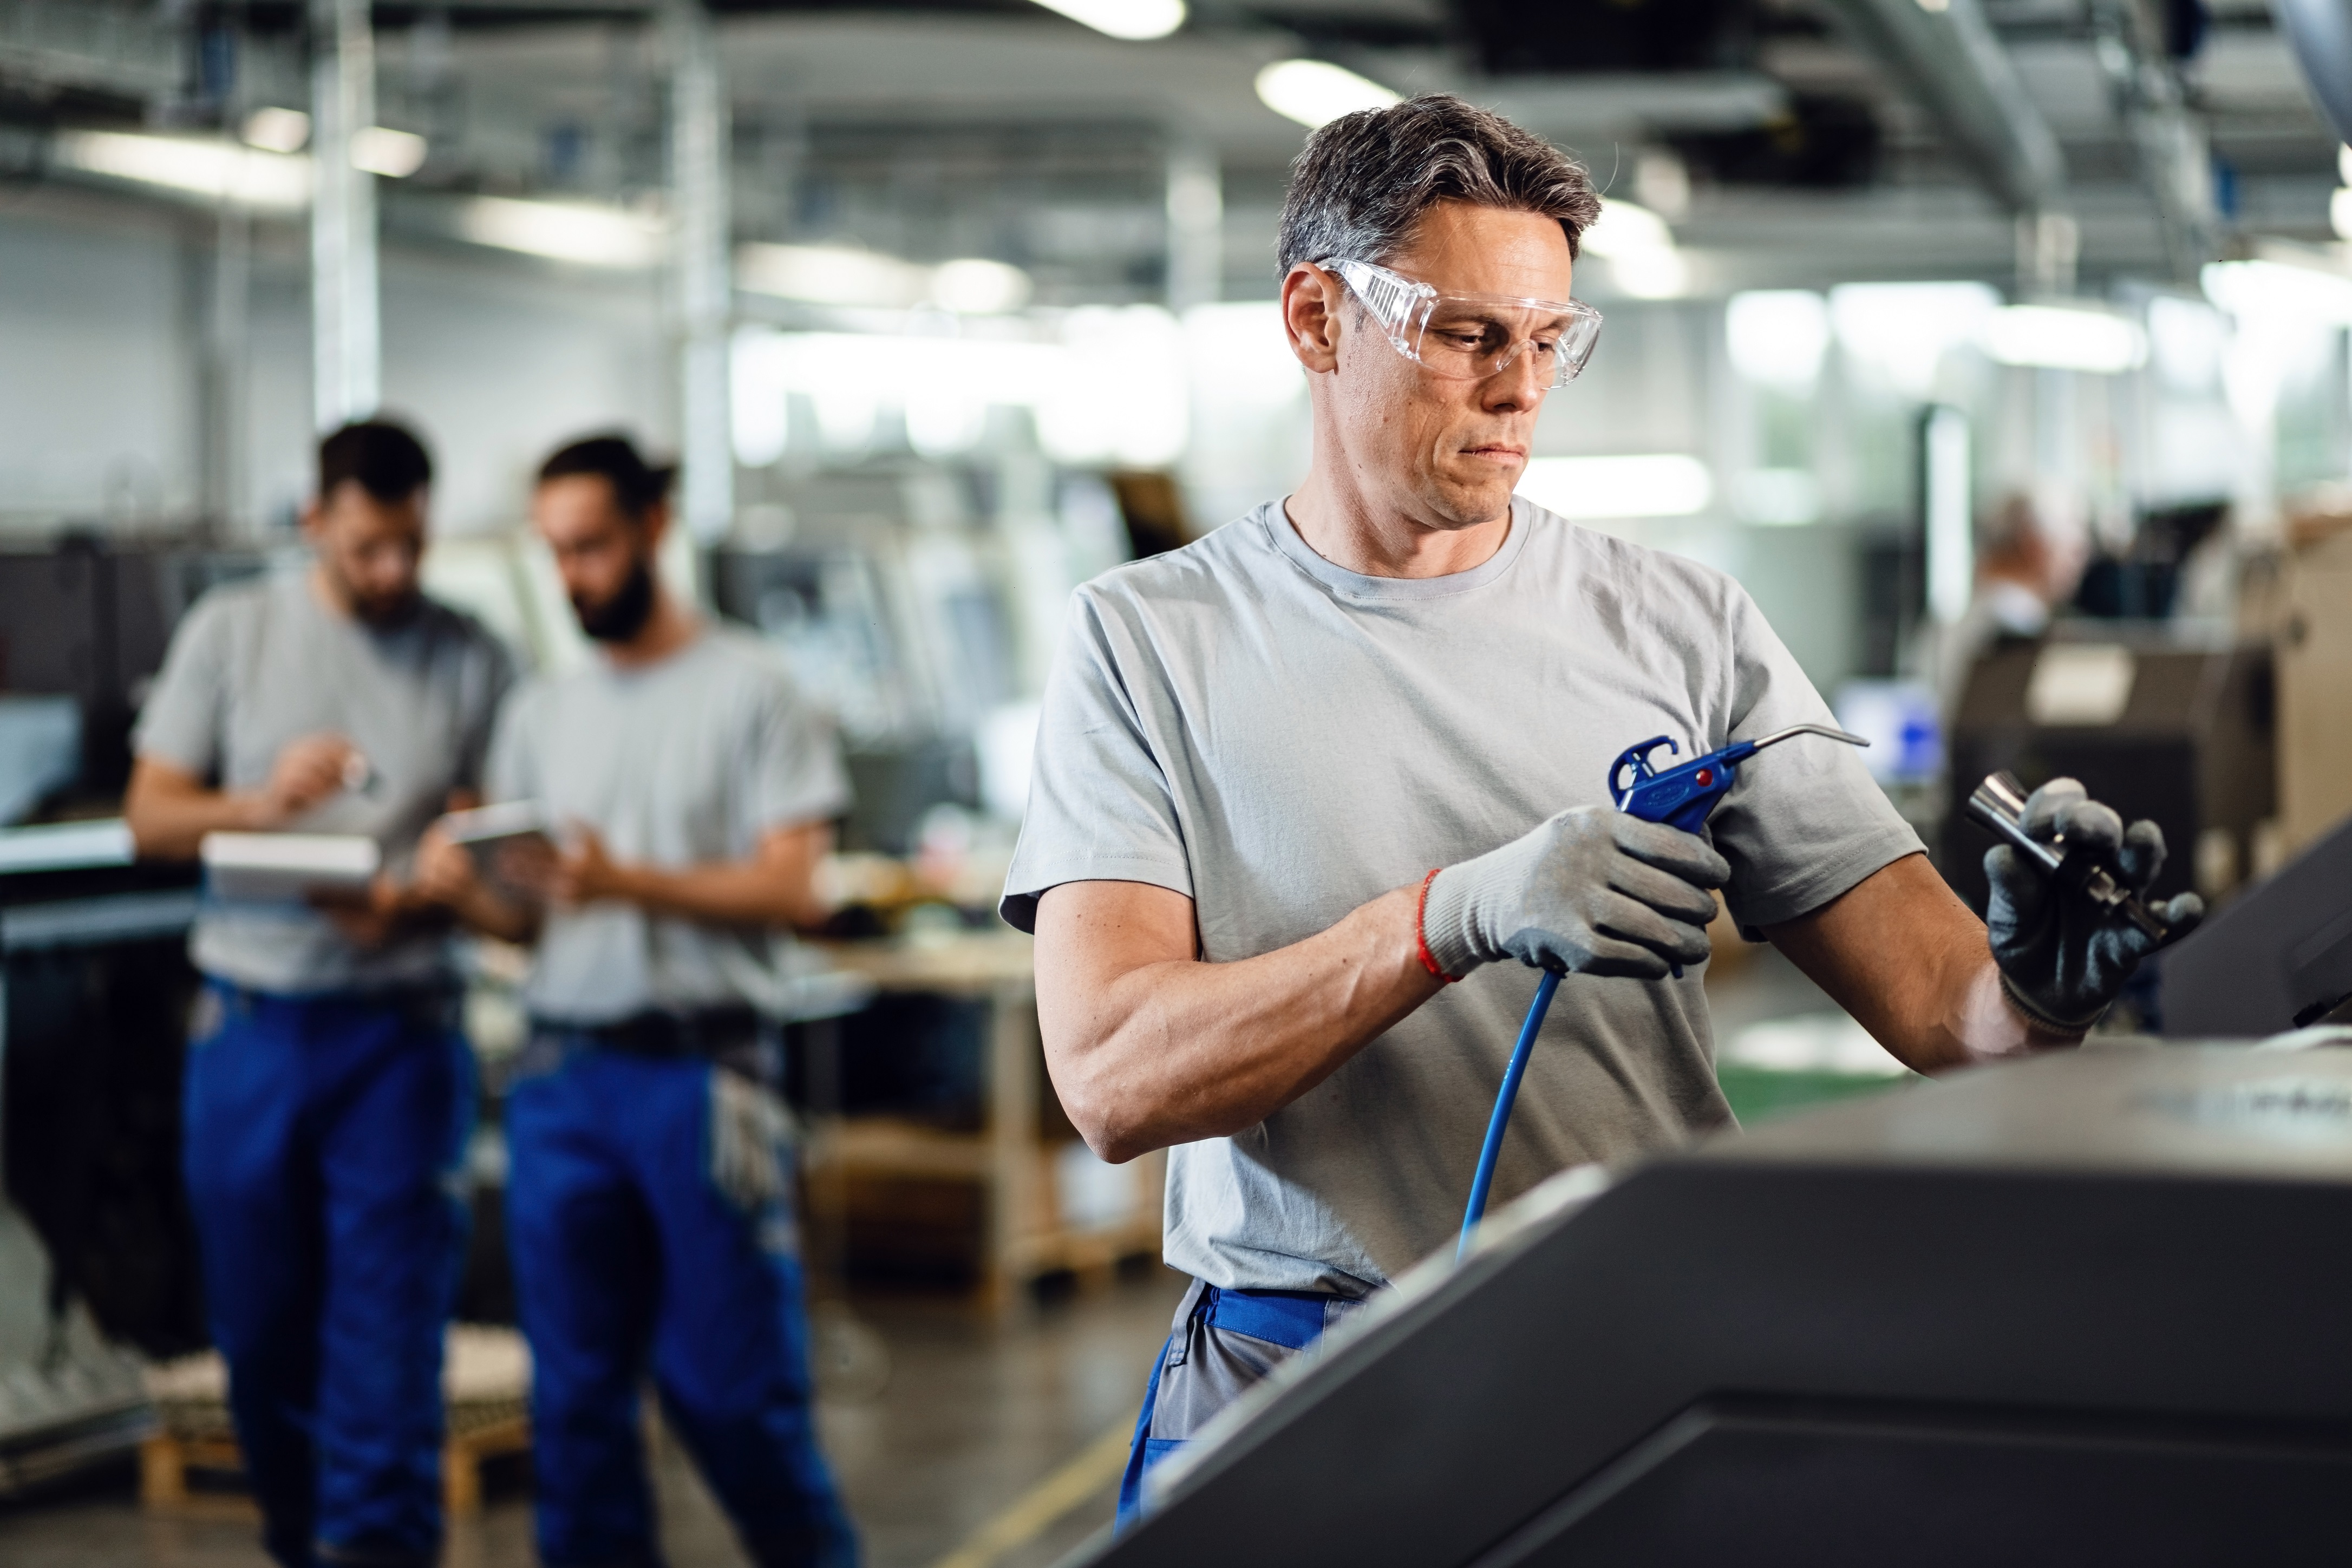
(476, 1433)
(486, 1382)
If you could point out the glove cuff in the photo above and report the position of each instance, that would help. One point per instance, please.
(1449, 927)
(2037, 1014)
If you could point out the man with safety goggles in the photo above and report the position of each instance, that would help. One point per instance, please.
(1256, 749)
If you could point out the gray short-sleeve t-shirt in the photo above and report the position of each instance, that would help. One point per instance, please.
(1282, 740)
(680, 763)
(257, 665)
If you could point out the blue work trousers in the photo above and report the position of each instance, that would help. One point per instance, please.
(324, 1152)
(649, 1211)
(1222, 1344)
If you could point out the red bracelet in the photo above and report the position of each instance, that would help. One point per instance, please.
(1420, 940)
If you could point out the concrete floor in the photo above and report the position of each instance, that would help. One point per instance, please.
(949, 1426)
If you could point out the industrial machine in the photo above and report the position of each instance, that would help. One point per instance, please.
(97, 1255)
(2277, 956)
(2082, 1308)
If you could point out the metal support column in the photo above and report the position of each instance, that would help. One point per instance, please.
(346, 353)
(1196, 225)
(699, 156)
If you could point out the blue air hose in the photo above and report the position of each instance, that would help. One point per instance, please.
(1501, 1120)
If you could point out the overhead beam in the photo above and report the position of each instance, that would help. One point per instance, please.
(1950, 58)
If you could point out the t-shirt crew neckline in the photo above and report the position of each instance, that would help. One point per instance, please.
(1284, 537)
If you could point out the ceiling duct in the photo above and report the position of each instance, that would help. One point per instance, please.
(1945, 51)
(2321, 34)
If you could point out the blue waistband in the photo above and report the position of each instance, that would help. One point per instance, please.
(1291, 1319)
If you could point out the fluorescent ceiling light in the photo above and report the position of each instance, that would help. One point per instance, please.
(1652, 274)
(1316, 92)
(2273, 289)
(976, 288)
(1640, 251)
(2064, 337)
(1627, 226)
(218, 170)
(1777, 337)
(2344, 163)
(2339, 212)
(563, 231)
(1132, 19)
(380, 150)
(1663, 484)
(845, 275)
(830, 275)
(1901, 331)
(276, 130)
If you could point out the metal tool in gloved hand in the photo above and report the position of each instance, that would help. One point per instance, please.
(2064, 959)
(1999, 803)
(1681, 797)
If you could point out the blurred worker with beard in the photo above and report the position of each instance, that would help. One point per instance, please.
(328, 1091)
(649, 1199)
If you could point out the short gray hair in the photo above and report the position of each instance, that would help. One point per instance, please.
(1366, 178)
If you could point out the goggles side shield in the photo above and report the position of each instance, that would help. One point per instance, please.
(1469, 337)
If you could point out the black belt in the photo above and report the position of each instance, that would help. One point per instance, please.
(704, 1032)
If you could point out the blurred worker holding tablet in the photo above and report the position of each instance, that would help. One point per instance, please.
(328, 1093)
(1296, 780)
(687, 791)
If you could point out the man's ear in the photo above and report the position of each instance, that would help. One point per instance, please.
(312, 519)
(1310, 316)
(655, 523)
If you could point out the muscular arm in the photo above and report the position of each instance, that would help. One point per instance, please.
(1148, 1046)
(1908, 960)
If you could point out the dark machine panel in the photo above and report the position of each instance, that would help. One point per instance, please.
(2073, 1309)
(2279, 955)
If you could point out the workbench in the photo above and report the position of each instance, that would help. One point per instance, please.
(1026, 1234)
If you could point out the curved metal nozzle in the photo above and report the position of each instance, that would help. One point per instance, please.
(1776, 736)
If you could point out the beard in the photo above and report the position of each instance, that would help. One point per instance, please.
(382, 611)
(622, 616)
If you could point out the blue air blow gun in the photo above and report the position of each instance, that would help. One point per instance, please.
(1684, 797)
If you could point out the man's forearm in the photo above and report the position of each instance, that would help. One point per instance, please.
(1910, 961)
(1153, 1054)
(170, 824)
(733, 892)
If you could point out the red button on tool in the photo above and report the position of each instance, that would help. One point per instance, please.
(1707, 775)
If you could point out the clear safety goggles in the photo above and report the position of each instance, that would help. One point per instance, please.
(1469, 337)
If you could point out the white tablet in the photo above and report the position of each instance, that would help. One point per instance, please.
(277, 866)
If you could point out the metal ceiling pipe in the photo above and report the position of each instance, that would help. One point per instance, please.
(700, 141)
(2320, 33)
(346, 330)
(1945, 51)
(2167, 136)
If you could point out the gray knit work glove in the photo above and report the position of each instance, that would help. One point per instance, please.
(1592, 891)
(2064, 960)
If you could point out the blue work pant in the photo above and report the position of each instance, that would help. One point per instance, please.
(649, 1211)
(324, 1152)
(1222, 1344)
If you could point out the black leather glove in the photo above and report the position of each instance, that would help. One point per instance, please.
(2064, 960)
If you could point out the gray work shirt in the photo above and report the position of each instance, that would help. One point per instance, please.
(1282, 740)
(678, 763)
(258, 665)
